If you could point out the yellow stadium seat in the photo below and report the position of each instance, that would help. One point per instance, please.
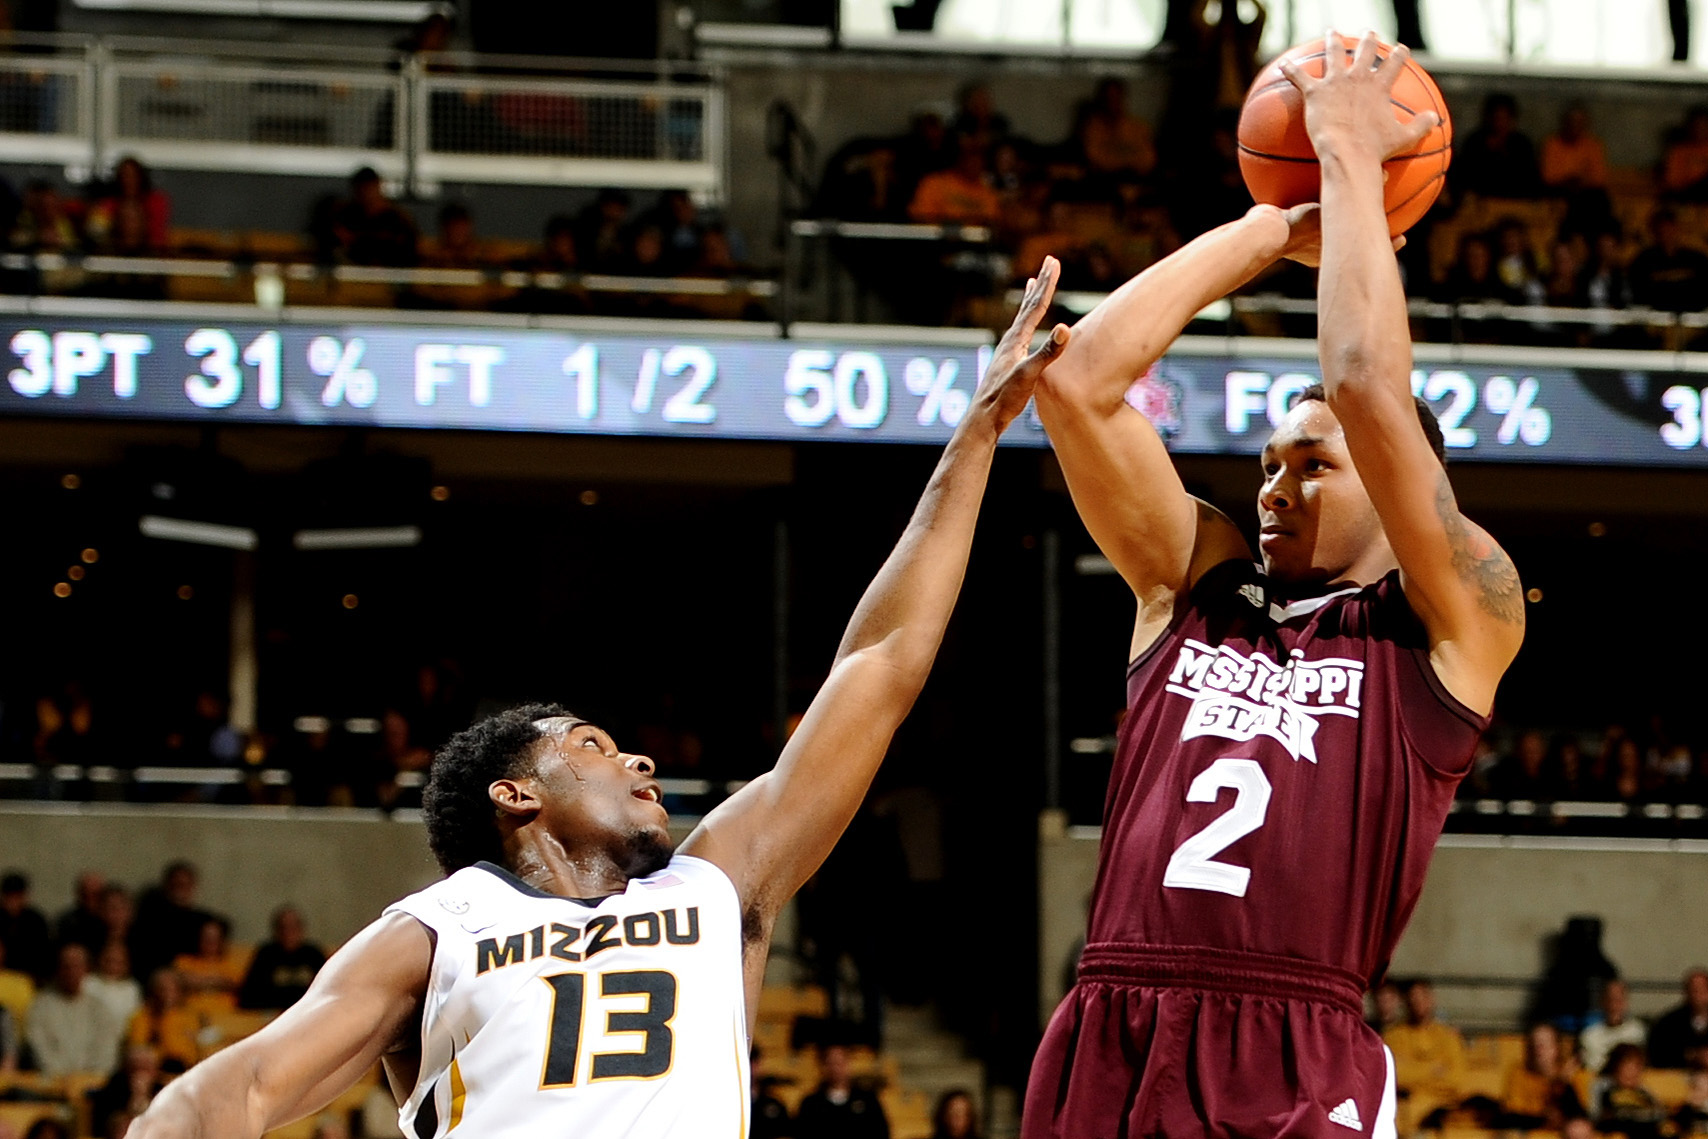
(1669, 1085)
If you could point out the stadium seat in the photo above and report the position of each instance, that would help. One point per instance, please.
(1669, 1085)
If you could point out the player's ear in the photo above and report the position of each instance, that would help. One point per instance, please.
(514, 796)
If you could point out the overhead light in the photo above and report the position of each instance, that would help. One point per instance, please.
(363, 538)
(199, 533)
(1093, 565)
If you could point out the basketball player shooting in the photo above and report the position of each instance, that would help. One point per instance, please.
(1295, 730)
(572, 976)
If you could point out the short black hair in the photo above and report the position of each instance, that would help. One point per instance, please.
(14, 882)
(1500, 101)
(1425, 418)
(461, 828)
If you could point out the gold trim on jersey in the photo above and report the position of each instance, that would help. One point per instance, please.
(458, 1094)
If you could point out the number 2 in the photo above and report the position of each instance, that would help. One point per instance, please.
(569, 1002)
(1193, 865)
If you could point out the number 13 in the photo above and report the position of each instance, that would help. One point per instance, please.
(563, 1044)
(1193, 865)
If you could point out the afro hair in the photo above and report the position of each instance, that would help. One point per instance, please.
(461, 825)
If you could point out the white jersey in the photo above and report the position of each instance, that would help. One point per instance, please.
(549, 1016)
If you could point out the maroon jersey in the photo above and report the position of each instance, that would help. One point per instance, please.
(1281, 779)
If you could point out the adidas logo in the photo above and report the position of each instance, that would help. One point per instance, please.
(1347, 1116)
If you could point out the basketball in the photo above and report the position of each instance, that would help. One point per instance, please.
(1280, 165)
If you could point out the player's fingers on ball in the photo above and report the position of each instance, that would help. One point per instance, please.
(1421, 124)
(1364, 56)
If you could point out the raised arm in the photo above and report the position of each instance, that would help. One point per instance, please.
(1121, 477)
(772, 835)
(1461, 584)
(366, 998)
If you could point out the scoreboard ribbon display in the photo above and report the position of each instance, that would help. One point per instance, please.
(1200, 399)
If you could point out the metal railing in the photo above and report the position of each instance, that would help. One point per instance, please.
(85, 102)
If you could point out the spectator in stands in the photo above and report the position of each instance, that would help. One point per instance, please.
(119, 917)
(29, 947)
(1679, 1037)
(683, 233)
(557, 253)
(601, 233)
(960, 195)
(1669, 275)
(840, 1108)
(1617, 1026)
(1606, 286)
(283, 967)
(1113, 141)
(925, 149)
(455, 246)
(1574, 167)
(82, 922)
(1573, 158)
(863, 182)
(403, 762)
(168, 921)
(557, 256)
(1538, 1094)
(131, 1089)
(164, 1024)
(69, 1029)
(977, 118)
(1520, 775)
(48, 1127)
(1622, 1103)
(211, 975)
(1684, 164)
(1515, 265)
(133, 216)
(1628, 770)
(43, 224)
(368, 228)
(1472, 277)
(955, 1117)
(1564, 286)
(1496, 160)
(1690, 1121)
(1568, 775)
(770, 1118)
(1668, 764)
(1387, 1006)
(17, 990)
(112, 984)
(1429, 1056)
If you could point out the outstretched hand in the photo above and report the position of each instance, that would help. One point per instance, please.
(1348, 109)
(1013, 373)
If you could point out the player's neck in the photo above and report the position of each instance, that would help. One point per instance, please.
(547, 864)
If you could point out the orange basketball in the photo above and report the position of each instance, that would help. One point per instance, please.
(1280, 165)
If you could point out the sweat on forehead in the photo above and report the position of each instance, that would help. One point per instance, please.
(558, 725)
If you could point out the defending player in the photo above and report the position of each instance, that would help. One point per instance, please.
(1296, 730)
(573, 977)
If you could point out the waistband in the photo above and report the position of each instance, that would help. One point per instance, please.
(1222, 970)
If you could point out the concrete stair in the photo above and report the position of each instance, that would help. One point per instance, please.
(933, 1061)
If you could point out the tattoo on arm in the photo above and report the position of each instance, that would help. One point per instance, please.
(1480, 563)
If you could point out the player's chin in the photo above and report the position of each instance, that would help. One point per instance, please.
(650, 849)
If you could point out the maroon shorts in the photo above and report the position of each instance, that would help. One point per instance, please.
(1201, 1042)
